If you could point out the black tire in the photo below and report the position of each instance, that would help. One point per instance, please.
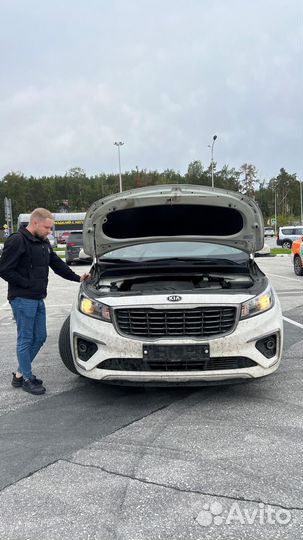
(64, 347)
(298, 269)
(286, 244)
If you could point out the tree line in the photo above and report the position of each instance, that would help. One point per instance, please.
(75, 191)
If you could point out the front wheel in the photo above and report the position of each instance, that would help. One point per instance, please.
(286, 244)
(298, 269)
(65, 348)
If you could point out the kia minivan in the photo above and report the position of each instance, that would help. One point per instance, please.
(176, 296)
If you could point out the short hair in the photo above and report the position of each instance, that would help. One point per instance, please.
(40, 214)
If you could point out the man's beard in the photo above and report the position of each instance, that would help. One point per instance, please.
(39, 236)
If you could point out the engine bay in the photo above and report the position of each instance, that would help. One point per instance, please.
(156, 280)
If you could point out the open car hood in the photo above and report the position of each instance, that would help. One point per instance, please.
(173, 213)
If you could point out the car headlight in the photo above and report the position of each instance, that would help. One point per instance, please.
(259, 304)
(93, 308)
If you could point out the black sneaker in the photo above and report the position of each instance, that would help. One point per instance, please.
(32, 388)
(17, 382)
(34, 379)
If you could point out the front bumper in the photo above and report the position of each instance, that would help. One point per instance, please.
(108, 344)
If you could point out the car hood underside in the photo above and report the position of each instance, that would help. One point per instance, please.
(174, 213)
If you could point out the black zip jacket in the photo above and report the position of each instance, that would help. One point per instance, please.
(25, 263)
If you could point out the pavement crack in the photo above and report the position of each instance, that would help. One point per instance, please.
(179, 489)
(161, 408)
(31, 473)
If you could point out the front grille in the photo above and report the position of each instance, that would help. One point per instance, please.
(209, 364)
(202, 322)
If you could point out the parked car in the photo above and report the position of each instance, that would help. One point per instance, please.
(286, 235)
(269, 231)
(175, 296)
(73, 245)
(297, 256)
(63, 237)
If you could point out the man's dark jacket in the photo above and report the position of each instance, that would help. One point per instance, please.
(25, 262)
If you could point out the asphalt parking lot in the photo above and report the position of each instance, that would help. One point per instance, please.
(92, 461)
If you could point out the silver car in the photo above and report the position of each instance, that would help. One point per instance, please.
(176, 296)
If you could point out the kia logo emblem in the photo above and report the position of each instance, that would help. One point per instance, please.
(174, 298)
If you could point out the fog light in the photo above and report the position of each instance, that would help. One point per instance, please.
(82, 347)
(267, 346)
(86, 349)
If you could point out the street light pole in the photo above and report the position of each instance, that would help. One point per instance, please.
(8, 214)
(275, 211)
(212, 162)
(118, 144)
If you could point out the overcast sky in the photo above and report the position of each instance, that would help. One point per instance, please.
(163, 76)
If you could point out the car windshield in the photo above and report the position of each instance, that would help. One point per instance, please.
(176, 250)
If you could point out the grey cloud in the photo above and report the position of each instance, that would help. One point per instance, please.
(162, 76)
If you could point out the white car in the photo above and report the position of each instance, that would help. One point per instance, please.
(269, 231)
(176, 296)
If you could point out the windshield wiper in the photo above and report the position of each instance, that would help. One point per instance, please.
(193, 260)
(117, 261)
(170, 261)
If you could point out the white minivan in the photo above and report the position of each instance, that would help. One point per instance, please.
(176, 296)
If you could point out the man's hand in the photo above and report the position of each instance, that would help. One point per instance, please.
(85, 277)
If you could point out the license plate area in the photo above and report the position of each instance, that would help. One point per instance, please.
(175, 353)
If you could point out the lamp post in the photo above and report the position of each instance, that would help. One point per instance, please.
(118, 144)
(212, 161)
(275, 211)
(8, 215)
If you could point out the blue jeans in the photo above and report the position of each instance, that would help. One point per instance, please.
(31, 331)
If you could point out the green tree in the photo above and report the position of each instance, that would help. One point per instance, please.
(197, 175)
(13, 186)
(287, 191)
(228, 178)
(249, 179)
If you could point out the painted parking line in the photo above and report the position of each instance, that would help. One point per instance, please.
(6, 305)
(58, 305)
(295, 292)
(284, 277)
(295, 323)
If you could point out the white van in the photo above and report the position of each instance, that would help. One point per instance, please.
(176, 296)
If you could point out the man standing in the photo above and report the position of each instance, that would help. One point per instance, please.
(24, 264)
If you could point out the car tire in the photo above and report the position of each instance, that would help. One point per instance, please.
(298, 269)
(286, 244)
(65, 348)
